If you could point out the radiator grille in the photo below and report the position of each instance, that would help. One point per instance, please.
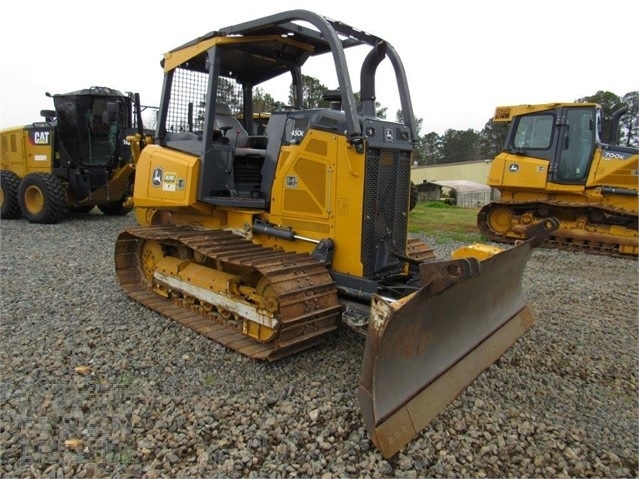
(385, 210)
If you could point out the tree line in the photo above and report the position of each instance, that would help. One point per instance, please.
(456, 146)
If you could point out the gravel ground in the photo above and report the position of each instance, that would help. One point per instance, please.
(150, 398)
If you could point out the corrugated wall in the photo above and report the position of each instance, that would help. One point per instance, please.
(476, 171)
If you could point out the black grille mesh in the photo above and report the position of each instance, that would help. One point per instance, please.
(385, 210)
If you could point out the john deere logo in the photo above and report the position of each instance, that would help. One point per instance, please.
(388, 134)
(156, 177)
(514, 167)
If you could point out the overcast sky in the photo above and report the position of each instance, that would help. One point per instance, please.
(462, 57)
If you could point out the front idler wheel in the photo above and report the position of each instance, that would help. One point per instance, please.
(151, 253)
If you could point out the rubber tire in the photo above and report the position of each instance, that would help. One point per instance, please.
(51, 193)
(114, 209)
(9, 184)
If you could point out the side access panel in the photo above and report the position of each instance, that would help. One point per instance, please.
(39, 141)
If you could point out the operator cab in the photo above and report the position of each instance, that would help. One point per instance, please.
(566, 137)
(91, 127)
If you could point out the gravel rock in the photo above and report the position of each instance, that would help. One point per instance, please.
(95, 385)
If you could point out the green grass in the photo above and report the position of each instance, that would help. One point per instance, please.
(445, 222)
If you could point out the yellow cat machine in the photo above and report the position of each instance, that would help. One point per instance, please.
(75, 159)
(266, 244)
(554, 164)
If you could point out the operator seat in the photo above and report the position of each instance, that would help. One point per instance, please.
(237, 135)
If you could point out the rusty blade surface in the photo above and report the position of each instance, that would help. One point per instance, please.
(422, 351)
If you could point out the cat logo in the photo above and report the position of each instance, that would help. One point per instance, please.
(40, 137)
(156, 177)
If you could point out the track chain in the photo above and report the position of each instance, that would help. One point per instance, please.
(307, 296)
(563, 242)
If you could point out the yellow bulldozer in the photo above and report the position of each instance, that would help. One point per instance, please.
(76, 159)
(267, 243)
(555, 164)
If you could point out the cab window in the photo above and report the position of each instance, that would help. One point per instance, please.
(534, 132)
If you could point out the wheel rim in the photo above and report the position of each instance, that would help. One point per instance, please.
(33, 199)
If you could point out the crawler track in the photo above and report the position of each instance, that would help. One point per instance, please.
(307, 309)
(592, 229)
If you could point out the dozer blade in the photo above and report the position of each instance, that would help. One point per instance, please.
(423, 350)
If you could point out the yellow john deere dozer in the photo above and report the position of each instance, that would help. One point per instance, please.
(261, 242)
(555, 163)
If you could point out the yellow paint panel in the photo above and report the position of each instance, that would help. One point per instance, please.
(616, 168)
(524, 171)
(19, 155)
(306, 177)
(166, 178)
